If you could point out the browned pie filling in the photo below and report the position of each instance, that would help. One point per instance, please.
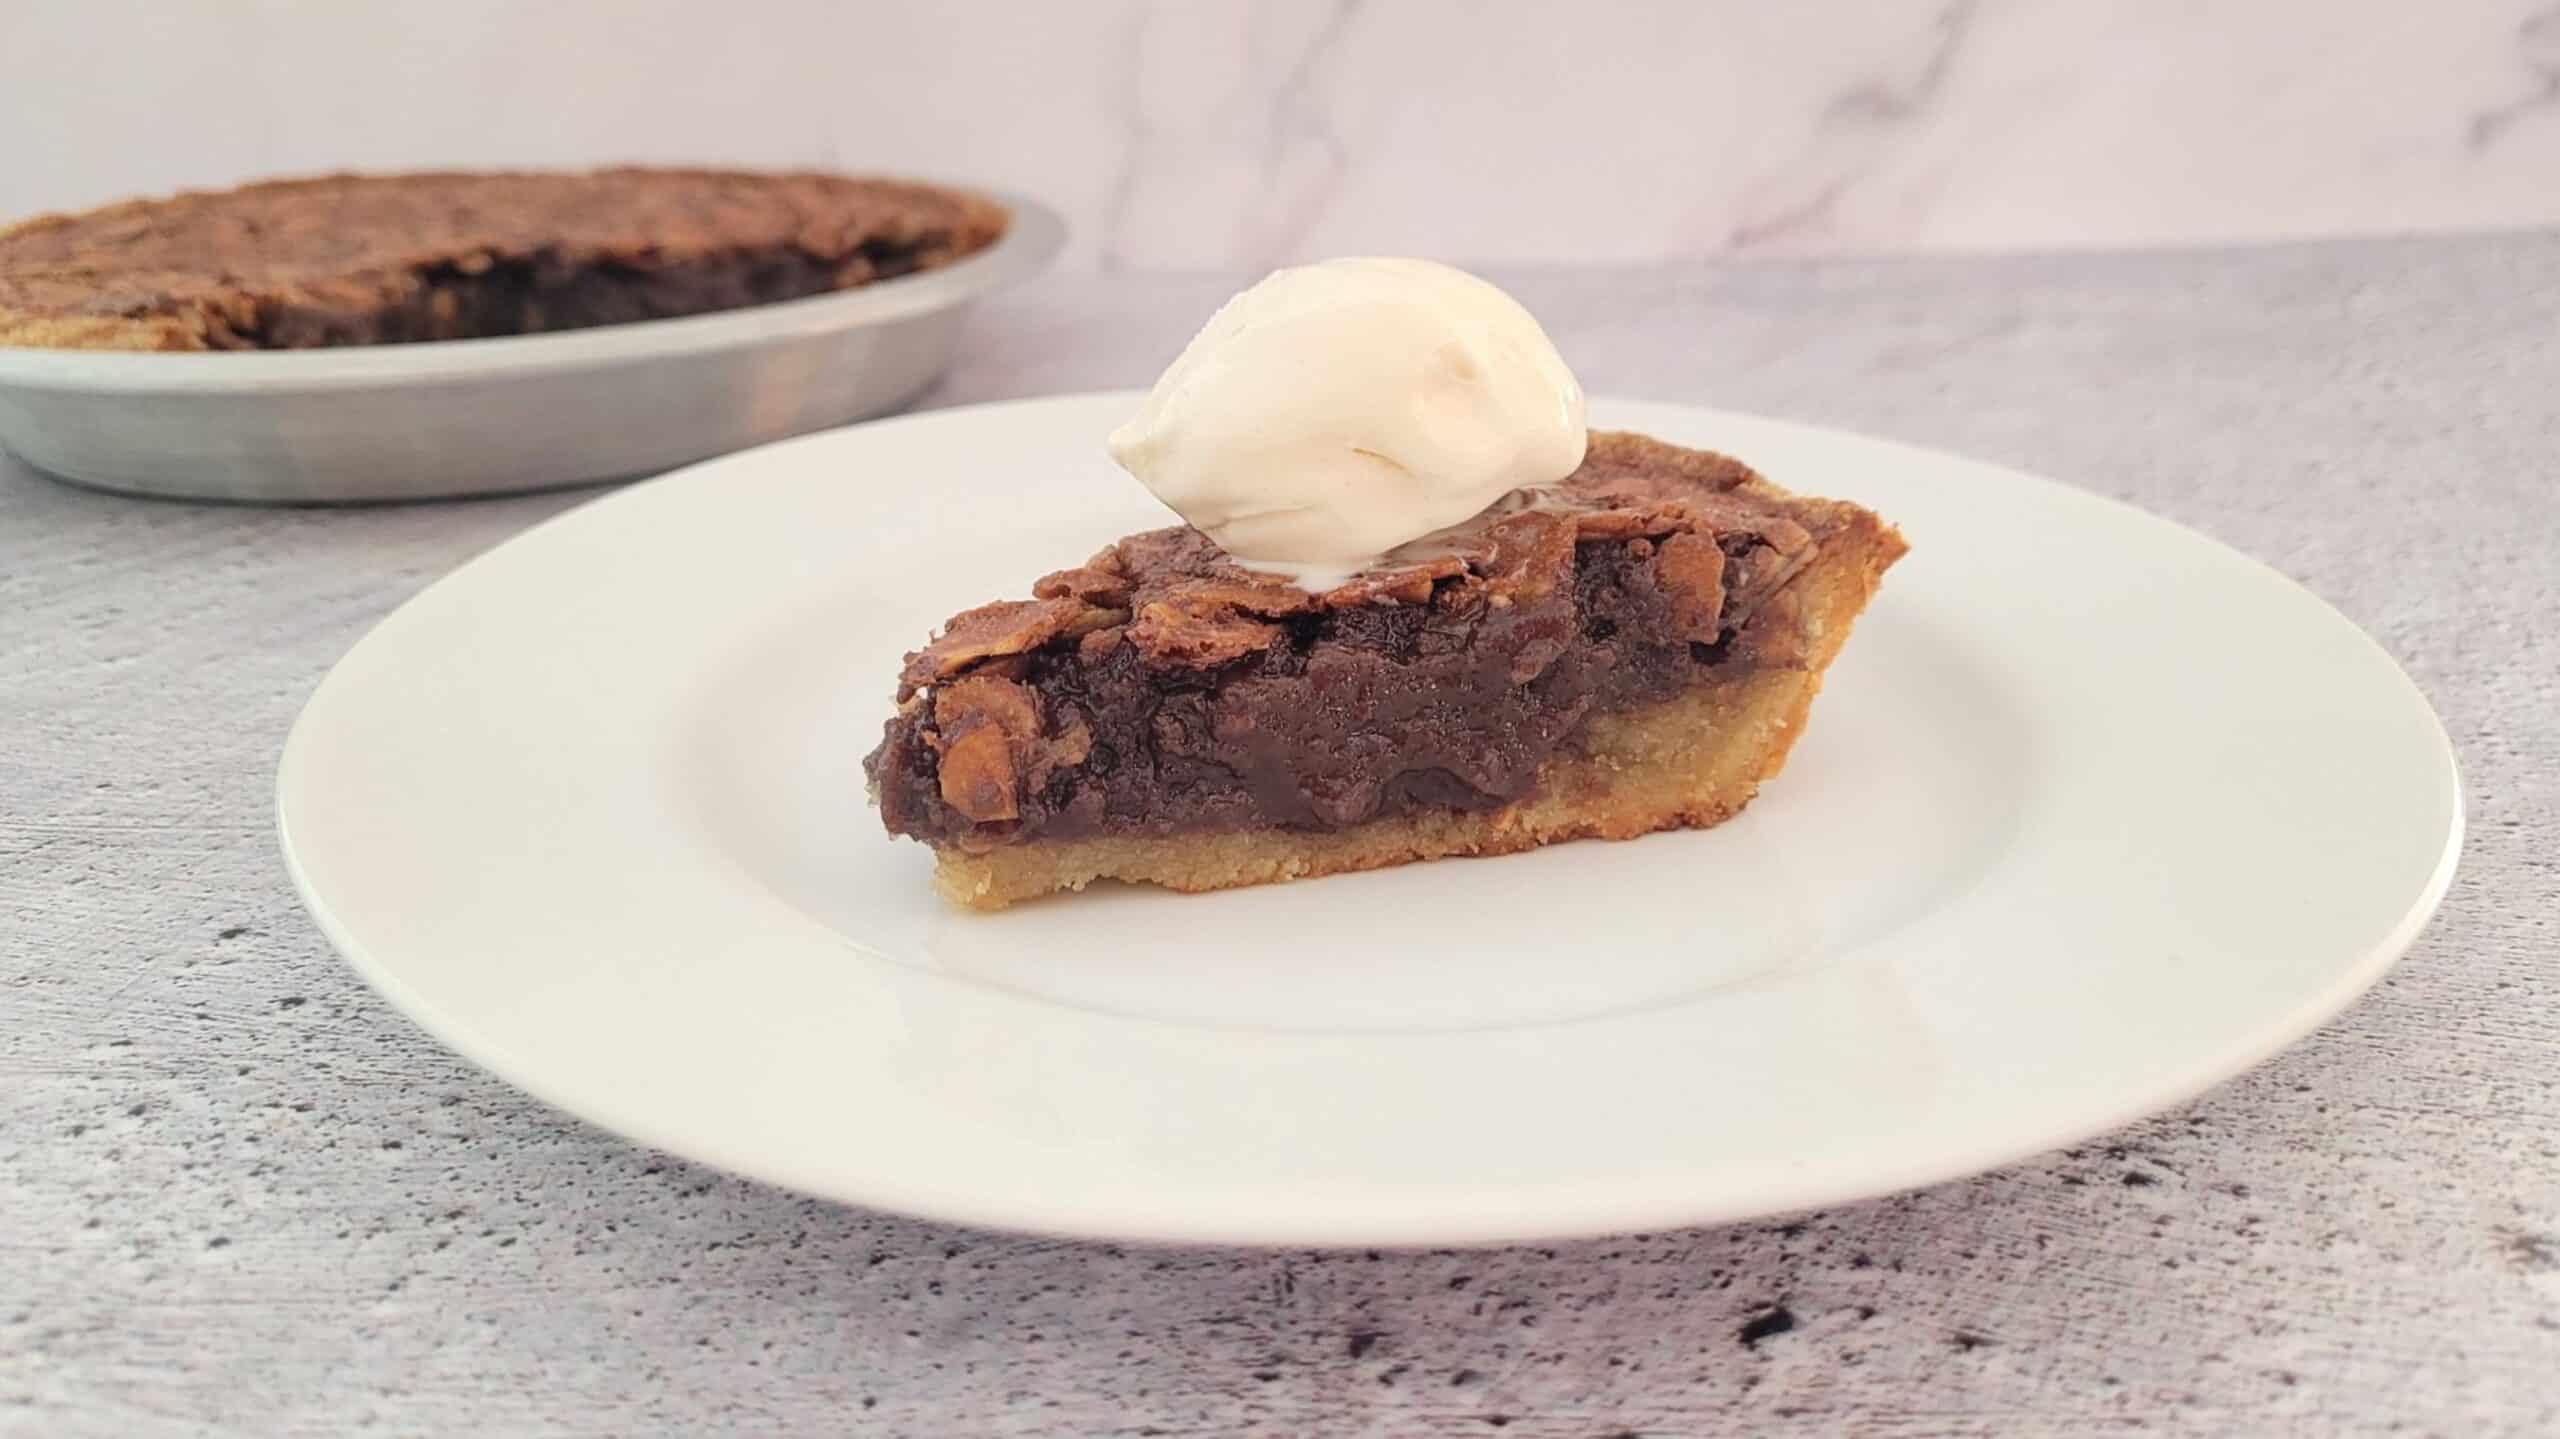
(384, 259)
(1160, 690)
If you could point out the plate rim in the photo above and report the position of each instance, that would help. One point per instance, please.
(1640, 1208)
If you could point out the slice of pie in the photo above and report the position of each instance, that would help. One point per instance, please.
(1631, 649)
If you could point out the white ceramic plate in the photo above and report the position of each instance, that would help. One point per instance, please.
(517, 412)
(2093, 813)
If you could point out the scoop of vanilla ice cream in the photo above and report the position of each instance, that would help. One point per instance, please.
(1335, 411)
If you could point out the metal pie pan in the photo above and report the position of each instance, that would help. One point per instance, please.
(521, 412)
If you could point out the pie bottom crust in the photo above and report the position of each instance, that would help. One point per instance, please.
(1692, 760)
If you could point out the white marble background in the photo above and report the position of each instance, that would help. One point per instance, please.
(1212, 134)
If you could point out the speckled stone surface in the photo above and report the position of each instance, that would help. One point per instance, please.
(239, 1195)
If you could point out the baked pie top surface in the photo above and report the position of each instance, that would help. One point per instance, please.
(345, 259)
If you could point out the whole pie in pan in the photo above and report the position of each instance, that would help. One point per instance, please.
(382, 259)
(1631, 649)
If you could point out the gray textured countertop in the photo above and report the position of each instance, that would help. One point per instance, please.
(238, 1194)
